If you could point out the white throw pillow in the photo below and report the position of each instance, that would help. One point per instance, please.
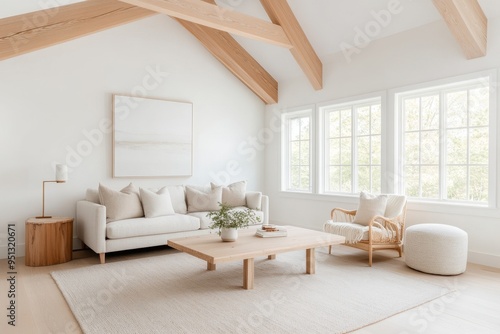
(198, 200)
(254, 200)
(369, 207)
(123, 204)
(234, 194)
(178, 198)
(156, 204)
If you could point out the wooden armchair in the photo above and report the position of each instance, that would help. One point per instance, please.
(381, 232)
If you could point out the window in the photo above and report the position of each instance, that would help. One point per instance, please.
(445, 141)
(297, 148)
(352, 144)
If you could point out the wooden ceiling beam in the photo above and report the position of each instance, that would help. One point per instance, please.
(219, 18)
(280, 13)
(467, 22)
(232, 55)
(36, 30)
(236, 59)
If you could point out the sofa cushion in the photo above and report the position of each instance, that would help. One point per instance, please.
(178, 198)
(199, 200)
(150, 226)
(156, 204)
(92, 195)
(234, 194)
(121, 204)
(205, 222)
(254, 200)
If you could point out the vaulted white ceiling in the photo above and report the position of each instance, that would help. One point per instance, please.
(327, 24)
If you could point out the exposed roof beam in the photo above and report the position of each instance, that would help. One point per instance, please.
(36, 30)
(237, 60)
(280, 13)
(468, 24)
(219, 18)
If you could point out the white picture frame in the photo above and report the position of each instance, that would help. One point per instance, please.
(151, 137)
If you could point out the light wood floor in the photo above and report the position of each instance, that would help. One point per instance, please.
(474, 308)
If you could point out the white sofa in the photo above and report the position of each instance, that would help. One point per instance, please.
(103, 235)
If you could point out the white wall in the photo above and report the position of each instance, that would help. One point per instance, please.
(416, 56)
(50, 98)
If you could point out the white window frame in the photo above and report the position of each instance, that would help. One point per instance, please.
(351, 101)
(286, 116)
(488, 77)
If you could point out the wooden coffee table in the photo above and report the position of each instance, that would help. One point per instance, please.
(211, 249)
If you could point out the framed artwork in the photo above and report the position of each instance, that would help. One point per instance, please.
(151, 138)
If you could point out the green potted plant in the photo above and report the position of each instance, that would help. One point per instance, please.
(228, 221)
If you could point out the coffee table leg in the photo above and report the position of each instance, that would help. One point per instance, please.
(248, 274)
(210, 266)
(310, 261)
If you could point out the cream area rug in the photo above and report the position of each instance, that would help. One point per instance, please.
(174, 293)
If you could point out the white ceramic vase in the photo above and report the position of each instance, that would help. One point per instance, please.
(229, 234)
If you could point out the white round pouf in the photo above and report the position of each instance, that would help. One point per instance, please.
(436, 249)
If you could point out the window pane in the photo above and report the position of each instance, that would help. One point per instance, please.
(376, 150)
(294, 177)
(364, 178)
(376, 179)
(430, 181)
(345, 155)
(456, 109)
(346, 123)
(411, 109)
(376, 119)
(478, 188)
(364, 150)
(430, 112)
(478, 146)
(479, 106)
(304, 178)
(412, 148)
(334, 151)
(456, 182)
(412, 181)
(334, 119)
(334, 181)
(304, 128)
(456, 146)
(430, 147)
(295, 129)
(304, 152)
(346, 185)
(363, 118)
(295, 153)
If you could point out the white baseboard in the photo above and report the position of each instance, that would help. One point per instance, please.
(484, 259)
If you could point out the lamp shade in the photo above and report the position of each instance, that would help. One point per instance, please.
(61, 173)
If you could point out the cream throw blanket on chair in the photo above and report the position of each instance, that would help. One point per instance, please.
(352, 232)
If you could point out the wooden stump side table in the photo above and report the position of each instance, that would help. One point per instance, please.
(48, 241)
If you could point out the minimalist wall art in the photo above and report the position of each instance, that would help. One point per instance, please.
(151, 138)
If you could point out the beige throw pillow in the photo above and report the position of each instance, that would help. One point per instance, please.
(369, 207)
(234, 194)
(199, 200)
(123, 204)
(156, 204)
